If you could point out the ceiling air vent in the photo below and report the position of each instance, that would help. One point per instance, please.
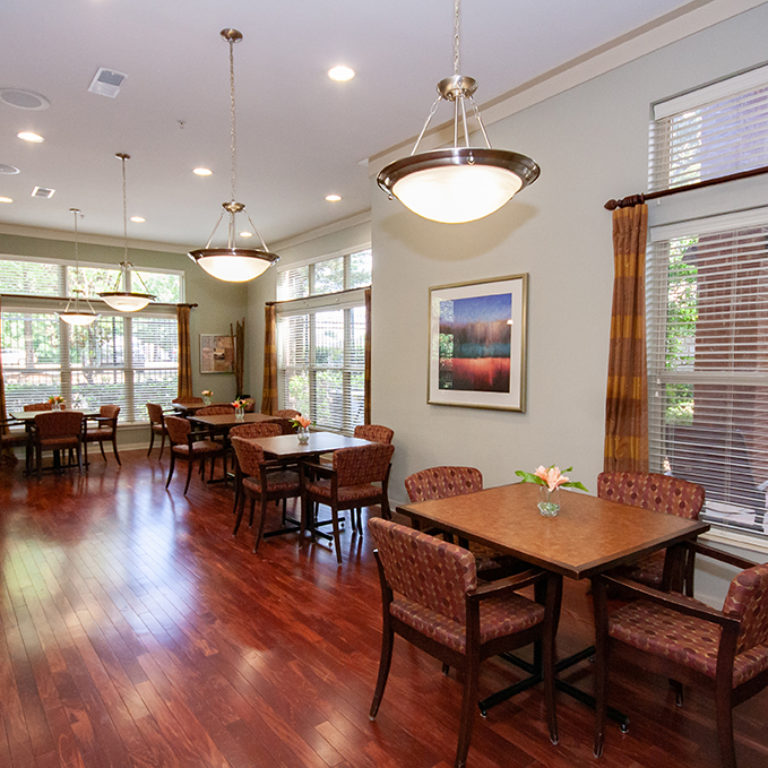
(106, 82)
(43, 192)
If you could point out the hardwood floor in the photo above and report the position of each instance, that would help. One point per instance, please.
(136, 631)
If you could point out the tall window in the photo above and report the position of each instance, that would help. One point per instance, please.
(707, 299)
(122, 359)
(321, 339)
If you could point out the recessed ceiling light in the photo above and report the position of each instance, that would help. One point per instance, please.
(341, 73)
(246, 234)
(8, 170)
(21, 99)
(138, 219)
(4, 199)
(34, 138)
(333, 198)
(202, 171)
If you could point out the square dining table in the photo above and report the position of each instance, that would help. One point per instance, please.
(588, 536)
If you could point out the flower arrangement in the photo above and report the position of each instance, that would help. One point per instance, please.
(56, 400)
(551, 477)
(206, 393)
(239, 403)
(301, 422)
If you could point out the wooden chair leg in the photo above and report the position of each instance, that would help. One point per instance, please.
(336, 537)
(385, 661)
(189, 472)
(468, 710)
(240, 510)
(101, 448)
(162, 444)
(114, 450)
(78, 453)
(151, 439)
(260, 527)
(170, 470)
(725, 726)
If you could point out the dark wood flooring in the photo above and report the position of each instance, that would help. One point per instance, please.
(135, 631)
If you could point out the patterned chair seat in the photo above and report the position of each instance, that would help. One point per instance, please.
(346, 493)
(198, 446)
(285, 482)
(499, 616)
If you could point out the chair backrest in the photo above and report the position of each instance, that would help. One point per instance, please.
(177, 429)
(288, 413)
(109, 411)
(59, 424)
(155, 412)
(649, 490)
(362, 464)
(37, 407)
(376, 433)
(215, 410)
(264, 429)
(188, 400)
(747, 600)
(442, 482)
(425, 569)
(249, 455)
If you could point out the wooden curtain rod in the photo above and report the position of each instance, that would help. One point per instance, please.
(35, 297)
(628, 202)
(317, 296)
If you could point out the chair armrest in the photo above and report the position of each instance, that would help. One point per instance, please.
(723, 557)
(685, 605)
(508, 584)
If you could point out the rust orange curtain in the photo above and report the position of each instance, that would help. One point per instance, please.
(626, 406)
(185, 351)
(269, 387)
(367, 375)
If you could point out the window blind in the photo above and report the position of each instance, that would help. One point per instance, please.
(710, 132)
(707, 315)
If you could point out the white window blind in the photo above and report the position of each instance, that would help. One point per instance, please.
(710, 132)
(321, 339)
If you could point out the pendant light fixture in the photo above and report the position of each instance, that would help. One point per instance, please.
(231, 263)
(77, 315)
(125, 300)
(457, 184)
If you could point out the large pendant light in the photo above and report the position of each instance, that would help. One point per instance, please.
(236, 265)
(125, 300)
(77, 315)
(457, 183)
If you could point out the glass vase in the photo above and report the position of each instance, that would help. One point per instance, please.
(240, 414)
(549, 501)
(206, 400)
(302, 434)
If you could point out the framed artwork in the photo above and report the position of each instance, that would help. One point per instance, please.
(217, 353)
(477, 343)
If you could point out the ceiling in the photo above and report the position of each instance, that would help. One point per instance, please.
(300, 135)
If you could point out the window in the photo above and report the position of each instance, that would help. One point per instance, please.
(124, 359)
(707, 304)
(321, 339)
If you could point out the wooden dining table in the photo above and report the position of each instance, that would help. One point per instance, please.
(224, 421)
(587, 537)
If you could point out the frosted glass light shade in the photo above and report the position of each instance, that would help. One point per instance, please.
(78, 318)
(234, 265)
(457, 185)
(123, 301)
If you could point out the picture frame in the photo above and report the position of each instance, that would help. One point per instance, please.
(477, 344)
(217, 353)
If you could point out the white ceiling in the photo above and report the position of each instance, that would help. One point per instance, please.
(300, 135)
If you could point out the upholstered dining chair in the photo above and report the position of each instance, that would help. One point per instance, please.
(288, 413)
(37, 407)
(105, 430)
(725, 652)
(188, 400)
(58, 431)
(658, 493)
(157, 426)
(215, 410)
(248, 431)
(431, 597)
(263, 480)
(357, 478)
(191, 447)
(376, 433)
(13, 438)
(444, 481)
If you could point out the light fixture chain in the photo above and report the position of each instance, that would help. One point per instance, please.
(233, 130)
(123, 267)
(456, 19)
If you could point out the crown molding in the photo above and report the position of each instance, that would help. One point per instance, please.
(669, 28)
(363, 217)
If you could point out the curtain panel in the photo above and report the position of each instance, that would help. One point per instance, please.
(626, 407)
(185, 352)
(269, 387)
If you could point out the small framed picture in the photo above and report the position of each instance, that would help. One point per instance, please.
(217, 353)
(477, 344)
